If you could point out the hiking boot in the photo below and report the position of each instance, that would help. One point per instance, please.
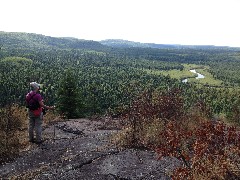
(31, 140)
(39, 142)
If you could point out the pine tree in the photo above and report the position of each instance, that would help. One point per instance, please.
(68, 95)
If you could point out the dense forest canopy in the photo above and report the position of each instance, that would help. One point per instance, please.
(109, 78)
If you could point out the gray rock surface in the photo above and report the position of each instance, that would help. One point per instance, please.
(80, 149)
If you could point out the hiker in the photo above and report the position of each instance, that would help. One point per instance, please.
(35, 115)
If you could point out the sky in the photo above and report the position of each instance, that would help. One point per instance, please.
(187, 22)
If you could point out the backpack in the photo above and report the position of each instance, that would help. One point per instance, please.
(34, 104)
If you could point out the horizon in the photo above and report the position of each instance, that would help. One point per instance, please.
(188, 22)
(127, 40)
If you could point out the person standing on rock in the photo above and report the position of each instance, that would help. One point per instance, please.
(35, 106)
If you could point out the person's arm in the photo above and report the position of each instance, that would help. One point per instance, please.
(44, 106)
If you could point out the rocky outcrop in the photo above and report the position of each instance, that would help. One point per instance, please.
(80, 149)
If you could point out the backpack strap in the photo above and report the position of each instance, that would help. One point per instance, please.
(32, 98)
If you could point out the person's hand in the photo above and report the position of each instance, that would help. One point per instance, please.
(52, 107)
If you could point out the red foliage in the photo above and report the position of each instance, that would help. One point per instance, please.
(150, 106)
(211, 149)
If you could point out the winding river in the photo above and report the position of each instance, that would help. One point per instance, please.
(199, 76)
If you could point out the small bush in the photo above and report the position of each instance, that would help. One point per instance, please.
(151, 112)
(147, 115)
(11, 120)
(14, 130)
(211, 151)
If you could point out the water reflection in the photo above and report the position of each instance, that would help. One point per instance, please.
(199, 76)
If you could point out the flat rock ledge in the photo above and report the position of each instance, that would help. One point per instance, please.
(80, 149)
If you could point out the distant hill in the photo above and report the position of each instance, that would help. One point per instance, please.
(122, 43)
(17, 40)
(129, 44)
(30, 40)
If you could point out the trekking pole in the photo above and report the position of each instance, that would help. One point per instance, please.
(54, 130)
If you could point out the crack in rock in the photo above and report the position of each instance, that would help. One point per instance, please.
(116, 177)
(66, 128)
(78, 166)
